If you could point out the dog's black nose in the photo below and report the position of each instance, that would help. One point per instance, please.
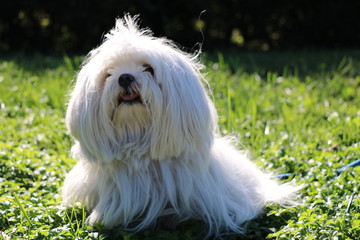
(125, 80)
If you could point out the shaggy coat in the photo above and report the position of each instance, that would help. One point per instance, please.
(146, 141)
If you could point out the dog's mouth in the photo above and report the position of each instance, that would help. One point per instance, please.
(129, 98)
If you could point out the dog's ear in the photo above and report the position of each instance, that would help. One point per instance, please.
(85, 119)
(186, 121)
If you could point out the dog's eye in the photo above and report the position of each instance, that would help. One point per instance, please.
(148, 68)
(107, 75)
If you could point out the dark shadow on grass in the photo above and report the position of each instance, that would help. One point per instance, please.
(289, 63)
(257, 229)
(39, 62)
(285, 63)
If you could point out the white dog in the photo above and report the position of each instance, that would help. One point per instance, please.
(146, 139)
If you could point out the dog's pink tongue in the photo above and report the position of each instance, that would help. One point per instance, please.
(129, 97)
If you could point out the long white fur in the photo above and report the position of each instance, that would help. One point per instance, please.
(162, 158)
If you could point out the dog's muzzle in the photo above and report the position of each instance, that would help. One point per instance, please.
(130, 96)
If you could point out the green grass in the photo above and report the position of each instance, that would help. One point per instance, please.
(296, 112)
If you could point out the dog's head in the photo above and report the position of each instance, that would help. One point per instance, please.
(139, 95)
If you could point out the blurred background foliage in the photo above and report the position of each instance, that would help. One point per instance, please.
(77, 26)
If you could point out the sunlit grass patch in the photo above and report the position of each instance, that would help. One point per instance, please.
(295, 115)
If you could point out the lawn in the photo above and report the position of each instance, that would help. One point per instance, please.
(297, 112)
